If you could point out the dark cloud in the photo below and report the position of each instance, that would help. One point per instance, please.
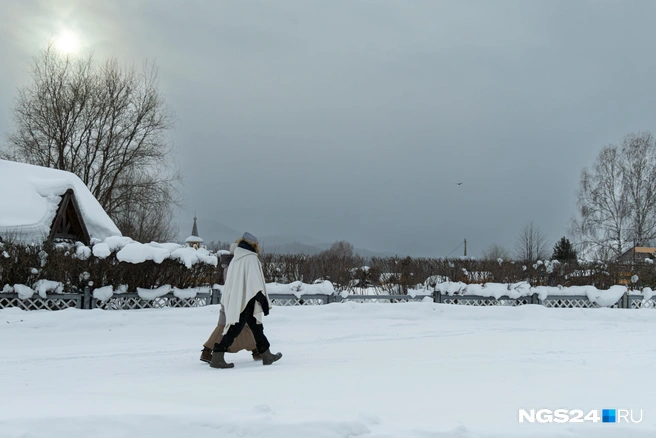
(355, 119)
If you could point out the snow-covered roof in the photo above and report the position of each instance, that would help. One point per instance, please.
(193, 239)
(30, 196)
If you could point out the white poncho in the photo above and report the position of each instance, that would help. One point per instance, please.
(244, 280)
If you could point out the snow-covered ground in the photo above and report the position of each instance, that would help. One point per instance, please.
(368, 370)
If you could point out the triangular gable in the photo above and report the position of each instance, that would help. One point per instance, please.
(29, 202)
(69, 223)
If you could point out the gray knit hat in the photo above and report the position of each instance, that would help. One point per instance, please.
(250, 238)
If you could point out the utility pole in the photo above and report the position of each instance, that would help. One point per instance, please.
(465, 247)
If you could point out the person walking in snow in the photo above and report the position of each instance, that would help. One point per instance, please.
(245, 300)
(245, 340)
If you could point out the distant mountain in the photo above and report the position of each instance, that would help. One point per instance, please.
(361, 251)
(213, 231)
(290, 248)
(305, 245)
(279, 239)
(279, 246)
(209, 230)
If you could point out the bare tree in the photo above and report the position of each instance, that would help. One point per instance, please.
(617, 199)
(341, 249)
(108, 125)
(532, 244)
(217, 246)
(639, 180)
(600, 227)
(496, 252)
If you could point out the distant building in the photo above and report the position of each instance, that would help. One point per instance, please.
(637, 254)
(194, 240)
(41, 205)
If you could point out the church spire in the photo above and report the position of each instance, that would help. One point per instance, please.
(194, 230)
(194, 240)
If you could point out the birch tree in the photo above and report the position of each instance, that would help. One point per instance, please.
(616, 201)
(107, 124)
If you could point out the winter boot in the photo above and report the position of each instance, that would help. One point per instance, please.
(268, 358)
(219, 362)
(256, 355)
(206, 355)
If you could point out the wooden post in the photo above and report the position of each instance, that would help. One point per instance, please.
(216, 296)
(86, 304)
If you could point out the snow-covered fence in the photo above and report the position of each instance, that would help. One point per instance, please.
(644, 300)
(382, 298)
(322, 292)
(130, 301)
(295, 300)
(56, 302)
(103, 298)
(475, 300)
(298, 293)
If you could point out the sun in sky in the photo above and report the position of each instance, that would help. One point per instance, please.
(67, 42)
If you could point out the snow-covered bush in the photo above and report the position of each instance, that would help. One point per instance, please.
(65, 267)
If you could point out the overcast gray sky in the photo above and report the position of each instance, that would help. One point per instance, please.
(354, 119)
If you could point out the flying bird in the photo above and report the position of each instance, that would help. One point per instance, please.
(459, 183)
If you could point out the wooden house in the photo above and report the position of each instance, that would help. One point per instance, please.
(41, 205)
